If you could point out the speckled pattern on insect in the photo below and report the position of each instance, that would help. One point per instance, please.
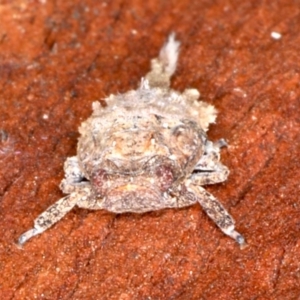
(147, 150)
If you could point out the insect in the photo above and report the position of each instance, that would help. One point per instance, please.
(146, 150)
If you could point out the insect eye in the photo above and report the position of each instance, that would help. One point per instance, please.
(98, 180)
(165, 177)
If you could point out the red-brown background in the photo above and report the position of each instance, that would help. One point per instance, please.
(57, 57)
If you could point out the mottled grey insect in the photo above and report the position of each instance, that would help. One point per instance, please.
(147, 150)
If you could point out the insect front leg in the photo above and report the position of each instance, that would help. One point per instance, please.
(74, 178)
(216, 175)
(209, 169)
(215, 210)
(49, 217)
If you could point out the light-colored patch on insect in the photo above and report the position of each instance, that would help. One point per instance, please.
(146, 150)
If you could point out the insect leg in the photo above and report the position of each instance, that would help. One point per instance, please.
(215, 210)
(49, 217)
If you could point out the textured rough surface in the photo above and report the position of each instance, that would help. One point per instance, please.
(56, 58)
(145, 150)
